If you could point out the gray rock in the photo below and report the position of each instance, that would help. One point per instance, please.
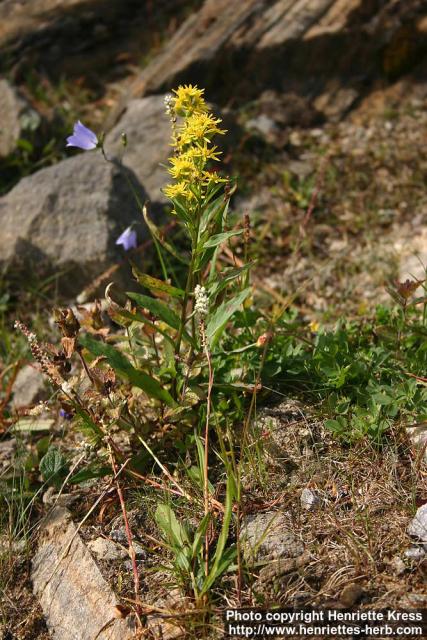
(288, 109)
(418, 527)
(105, 549)
(267, 536)
(167, 629)
(76, 600)
(66, 218)
(264, 125)
(17, 117)
(309, 500)
(415, 553)
(119, 535)
(140, 552)
(300, 168)
(29, 387)
(16, 547)
(398, 565)
(418, 437)
(148, 131)
(336, 101)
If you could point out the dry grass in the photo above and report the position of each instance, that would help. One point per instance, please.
(367, 498)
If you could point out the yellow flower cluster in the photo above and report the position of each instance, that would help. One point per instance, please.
(199, 128)
(189, 100)
(192, 141)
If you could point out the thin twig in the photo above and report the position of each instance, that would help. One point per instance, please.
(132, 553)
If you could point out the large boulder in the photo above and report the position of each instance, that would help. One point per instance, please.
(148, 131)
(83, 38)
(330, 52)
(66, 218)
(77, 602)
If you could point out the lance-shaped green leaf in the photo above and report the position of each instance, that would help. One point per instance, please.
(214, 211)
(223, 557)
(219, 238)
(218, 320)
(223, 278)
(161, 310)
(121, 365)
(154, 284)
(173, 530)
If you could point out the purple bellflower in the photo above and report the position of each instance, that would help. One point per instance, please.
(82, 137)
(128, 239)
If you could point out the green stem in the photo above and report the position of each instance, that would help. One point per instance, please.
(183, 321)
(189, 285)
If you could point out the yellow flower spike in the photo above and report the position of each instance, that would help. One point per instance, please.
(182, 168)
(177, 190)
(189, 100)
(192, 141)
(199, 128)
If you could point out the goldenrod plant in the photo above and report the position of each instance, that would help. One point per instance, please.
(171, 387)
(151, 387)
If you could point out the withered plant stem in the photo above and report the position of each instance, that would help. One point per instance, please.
(127, 527)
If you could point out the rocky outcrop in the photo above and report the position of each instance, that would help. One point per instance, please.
(65, 220)
(77, 602)
(329, 52)
(72, 38)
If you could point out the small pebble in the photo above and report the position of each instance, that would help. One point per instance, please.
(105, 549)
(415, 553)
(309, 500)
(418, 526)
(398, 565)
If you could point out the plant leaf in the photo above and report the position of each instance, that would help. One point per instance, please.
(218, 209)
(219, 238)
(220, 317)
(222, 558)
(120, 312)
(53, 467)
(118, 361)
(89, 473)
(226, 276)
(161, 310)
(172, 529)
(34, 424)
(158, 308)
(154, 284)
